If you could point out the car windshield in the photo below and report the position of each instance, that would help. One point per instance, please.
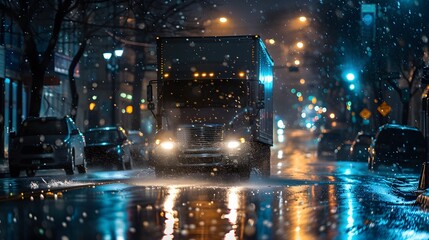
(44, 127)
(101, 136)
(204, 93)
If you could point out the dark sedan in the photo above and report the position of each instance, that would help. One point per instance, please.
(108, 146)
(397, 147)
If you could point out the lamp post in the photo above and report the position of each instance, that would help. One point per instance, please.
(112, 65)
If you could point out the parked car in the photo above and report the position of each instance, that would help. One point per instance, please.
(360, 146)
(108, 146)
(328, 141)
(138, 146)
(342, 153)
(399, 146)
(47, 143)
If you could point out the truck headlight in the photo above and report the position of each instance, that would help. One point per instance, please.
(234, 144)
(168, 145)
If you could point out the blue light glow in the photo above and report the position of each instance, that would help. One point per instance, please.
(350, 76)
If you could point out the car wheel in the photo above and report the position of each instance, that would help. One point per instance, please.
(70, 168)
(82, 168)
(14, 172)
(30, 172)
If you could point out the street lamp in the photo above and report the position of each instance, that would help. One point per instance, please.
(112, 65)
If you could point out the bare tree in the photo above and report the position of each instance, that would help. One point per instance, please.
(90, 18)
(40, 23)
(149, 18)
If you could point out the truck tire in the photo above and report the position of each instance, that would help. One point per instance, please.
(261, 158)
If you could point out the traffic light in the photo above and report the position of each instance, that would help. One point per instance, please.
(368, 21)
(350, 76)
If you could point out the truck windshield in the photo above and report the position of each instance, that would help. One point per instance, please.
(204, 93)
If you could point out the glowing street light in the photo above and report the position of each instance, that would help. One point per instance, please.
(112, 65)
(302, 19)
(300, 45)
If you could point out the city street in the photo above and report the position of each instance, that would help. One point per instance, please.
(304, 198)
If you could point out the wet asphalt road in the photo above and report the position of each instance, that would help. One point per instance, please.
(305, 198)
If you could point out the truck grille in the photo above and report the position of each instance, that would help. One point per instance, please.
(200, 136)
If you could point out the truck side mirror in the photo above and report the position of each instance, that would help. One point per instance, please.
(261, 96)
(149, 93)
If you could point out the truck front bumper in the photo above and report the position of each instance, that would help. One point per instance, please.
(200, 158)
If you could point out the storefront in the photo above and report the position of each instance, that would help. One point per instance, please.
(14, 97)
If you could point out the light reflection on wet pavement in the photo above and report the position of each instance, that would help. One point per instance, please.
(303, 199)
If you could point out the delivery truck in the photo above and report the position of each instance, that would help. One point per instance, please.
(213, 104)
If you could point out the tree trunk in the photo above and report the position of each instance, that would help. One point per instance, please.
(36, 93)
(72, 80)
